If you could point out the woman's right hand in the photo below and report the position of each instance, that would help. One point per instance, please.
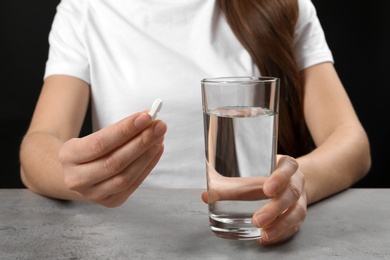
(107, 166)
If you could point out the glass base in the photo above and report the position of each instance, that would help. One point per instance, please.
(237, 229)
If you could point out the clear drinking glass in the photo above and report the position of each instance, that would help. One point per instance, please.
(241, 133)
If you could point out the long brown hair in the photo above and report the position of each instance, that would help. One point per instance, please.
(266, 29)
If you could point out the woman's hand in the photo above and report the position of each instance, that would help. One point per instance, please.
(107, 166)
(283, 215)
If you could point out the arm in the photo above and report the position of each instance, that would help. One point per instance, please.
(342, 156)
(104, 167)
(58, 116)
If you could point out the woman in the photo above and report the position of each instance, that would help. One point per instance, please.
(121, 55)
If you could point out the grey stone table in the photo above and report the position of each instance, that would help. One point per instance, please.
(173, 224)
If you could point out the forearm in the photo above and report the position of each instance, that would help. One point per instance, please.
(342, 160)
(41, 170)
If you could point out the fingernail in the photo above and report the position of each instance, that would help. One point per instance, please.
(269, 233)
(272, 187)
(142, 121)
(262, 219)
(160, 128)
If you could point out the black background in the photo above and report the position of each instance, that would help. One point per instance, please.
(358, 33)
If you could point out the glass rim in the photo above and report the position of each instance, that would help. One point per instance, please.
(240, 79)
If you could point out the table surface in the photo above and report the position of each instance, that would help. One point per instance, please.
(173, 224)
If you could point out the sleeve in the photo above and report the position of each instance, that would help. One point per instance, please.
(67, 54)
(310, 44)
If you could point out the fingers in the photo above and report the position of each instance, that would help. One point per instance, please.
(286, 225)
(286, 167)
(285, 198)
(107, 166)
(129, 179)
(86, 174)
(124, 156)
(290, 186)
(105, 140)
(117, 199)
(204, 197)
(282, 201)
(281, 217)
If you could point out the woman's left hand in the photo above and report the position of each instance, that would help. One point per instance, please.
(281, 218)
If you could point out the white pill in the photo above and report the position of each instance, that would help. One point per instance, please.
(156, 107)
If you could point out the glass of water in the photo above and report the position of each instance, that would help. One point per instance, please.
(241, 134)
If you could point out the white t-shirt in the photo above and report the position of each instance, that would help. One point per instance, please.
(132, 52)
